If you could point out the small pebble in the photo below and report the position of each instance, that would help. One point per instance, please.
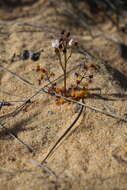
(51, 112)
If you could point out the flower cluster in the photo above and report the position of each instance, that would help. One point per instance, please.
(63, 48)
(64, 42)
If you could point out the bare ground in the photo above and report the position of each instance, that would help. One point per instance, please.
(94, 155)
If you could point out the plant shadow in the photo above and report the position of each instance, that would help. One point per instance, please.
(18, 127)
(118, 76)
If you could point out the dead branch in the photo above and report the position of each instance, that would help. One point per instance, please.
(29, 148)
(63, 135)
(42, 90)
(44, 167)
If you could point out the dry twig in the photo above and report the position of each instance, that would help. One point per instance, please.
(29, 148)
(93, 108)
(17, 110)
(42, 90)
(63, 135)
(44, 167)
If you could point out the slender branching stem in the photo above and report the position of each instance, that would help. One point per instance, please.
(69, 55)
(60, 61)
(65, 72)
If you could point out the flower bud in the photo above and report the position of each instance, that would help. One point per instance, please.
(71, 42)
(55, 43)
(68, 34)
(63, 31)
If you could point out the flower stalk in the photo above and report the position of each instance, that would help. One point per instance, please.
(62, 46)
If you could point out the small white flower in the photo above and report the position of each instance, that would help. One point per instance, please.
(55, 43)
(71, 42)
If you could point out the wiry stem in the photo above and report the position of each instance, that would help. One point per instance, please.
(63, 135)
(60, 61)
(39, 90)
(69, 55)
(65, 73)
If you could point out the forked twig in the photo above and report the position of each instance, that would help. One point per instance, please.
(42, 90)
(9, 102)
(29, 148)
(17, 110)
(4, 103)
(63, 135)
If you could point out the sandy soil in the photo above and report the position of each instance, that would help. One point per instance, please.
(94, 155)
